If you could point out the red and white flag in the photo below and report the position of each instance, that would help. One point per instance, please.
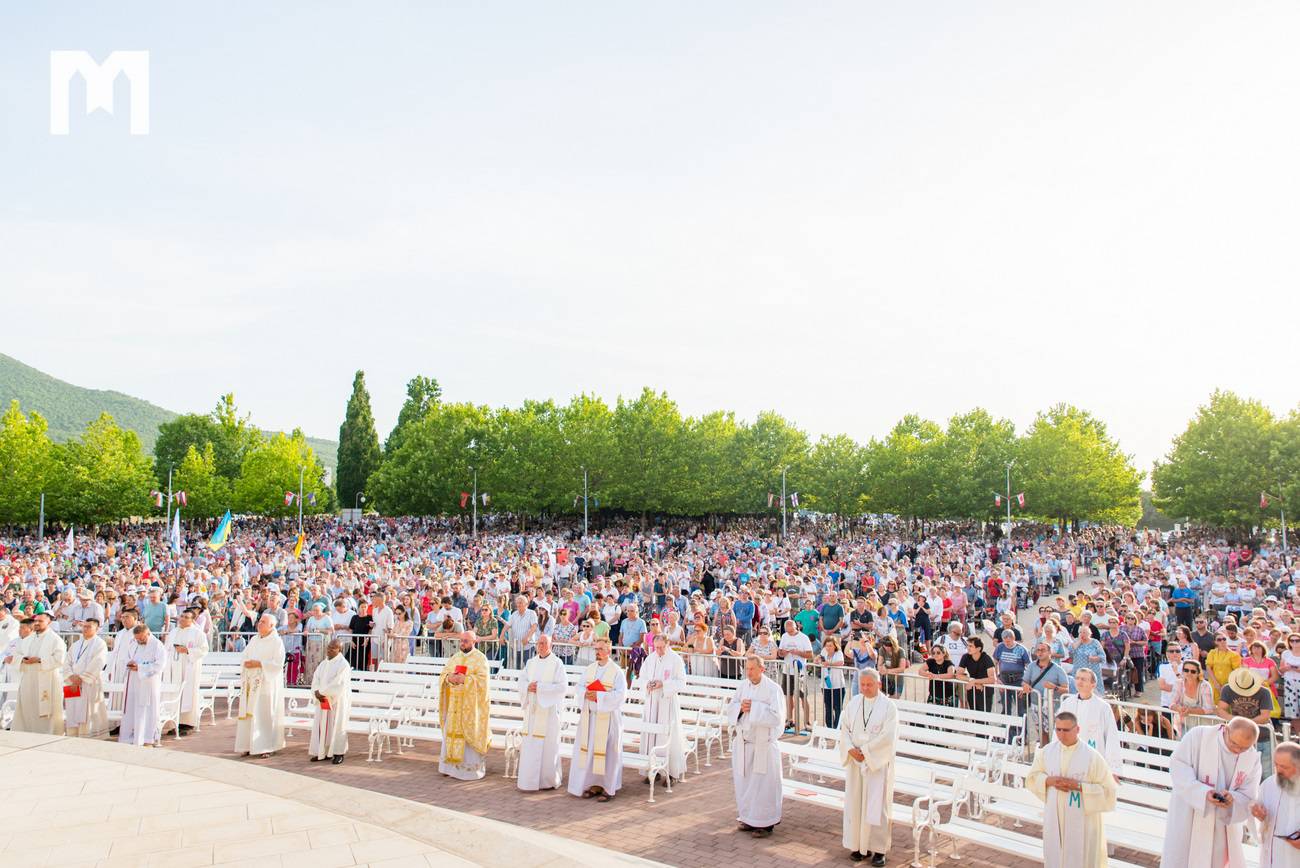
(288, 498)
(464, 499)
(771, 498)
(997, 500)
(1020, 500)
(1263, 500)
(181, 499)
(157, 498)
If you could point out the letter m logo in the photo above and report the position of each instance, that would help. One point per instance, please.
(99, 86)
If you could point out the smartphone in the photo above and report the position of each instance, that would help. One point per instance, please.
(1217, 797)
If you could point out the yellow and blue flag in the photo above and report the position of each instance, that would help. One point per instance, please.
(220, 535)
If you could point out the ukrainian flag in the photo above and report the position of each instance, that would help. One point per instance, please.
(222, 532)
(297, 548)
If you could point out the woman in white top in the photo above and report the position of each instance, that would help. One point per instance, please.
(831, 662)
(1290, 669)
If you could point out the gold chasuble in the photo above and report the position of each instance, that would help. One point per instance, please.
(463, 708)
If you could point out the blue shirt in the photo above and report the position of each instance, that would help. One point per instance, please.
(1183, 597)
(630, 632)
(744, 612)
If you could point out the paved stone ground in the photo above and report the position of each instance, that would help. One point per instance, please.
(692, 827)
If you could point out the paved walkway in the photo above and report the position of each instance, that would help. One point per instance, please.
(74, 802)
(692, 827)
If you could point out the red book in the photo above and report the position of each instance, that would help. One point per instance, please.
(325, 704)
(596, 686)
(461, 670)
(71, 692)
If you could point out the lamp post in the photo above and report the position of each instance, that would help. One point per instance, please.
(782, 504)
(584, 501)
(1281, 504)
(474, 497)
(357, 501)
(302, 468)
(1010, 464)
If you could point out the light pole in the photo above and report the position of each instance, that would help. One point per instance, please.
(357, 501)
(1281, 505)
(1010, 464)
(584, 501)
(474, 496)
(302, 468)
(783, 504)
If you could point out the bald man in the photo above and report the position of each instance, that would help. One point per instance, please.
(259, 732)
(1216, 773)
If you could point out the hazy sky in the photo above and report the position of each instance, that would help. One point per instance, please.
(841, 211)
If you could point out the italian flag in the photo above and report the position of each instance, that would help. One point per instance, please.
(148, 559)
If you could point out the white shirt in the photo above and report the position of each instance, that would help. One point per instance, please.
(795, 641)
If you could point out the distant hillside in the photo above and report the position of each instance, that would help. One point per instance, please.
(70, 408)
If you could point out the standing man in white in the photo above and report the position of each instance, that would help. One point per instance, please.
(596, 770)
(1077, 788)
(331, 688)
(146, 658)
(260, 729)
(868, 736)
(757, 711)
(541, 693)
(86, 713)
(40, 688)
(663, 674)
(186, 646)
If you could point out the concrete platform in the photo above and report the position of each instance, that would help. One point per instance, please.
(76, 802)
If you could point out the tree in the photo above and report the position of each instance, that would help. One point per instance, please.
(177, 436)
(648, 469)
(759, 453)
(1233, 451)
(207, 492)
(427, 472)
(422, 394)
(903, 469)
(236, 437)
(358, 444)
(587, 434)
(837, 477)
(101, 477)
(971, 464)
(1071, 470)
(707, 447)
(271, 469)
(26, 464)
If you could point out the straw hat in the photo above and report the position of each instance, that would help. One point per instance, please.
(1244, 682)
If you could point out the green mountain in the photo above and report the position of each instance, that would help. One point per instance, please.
(69, 408)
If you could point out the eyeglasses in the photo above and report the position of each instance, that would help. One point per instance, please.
(1217, 641)
(1191, 671)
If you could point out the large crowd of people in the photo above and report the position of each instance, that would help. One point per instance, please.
(1068, 631)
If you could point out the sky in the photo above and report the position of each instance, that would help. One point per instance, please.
(843, 212)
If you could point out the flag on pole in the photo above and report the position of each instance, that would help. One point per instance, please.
(176, 533)
(180, 498)
(464, 499)
(485, 498)
(1263, 500)
(794, 499)
(311, 498)
(157, 498)
(1020, 499)
(69, 546)
(148, 559)
(288, 498)
(997, 500)
(771, 498)
(297, 547)
(221, 534)
(575, 502)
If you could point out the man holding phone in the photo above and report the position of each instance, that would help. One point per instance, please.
(1215, 772)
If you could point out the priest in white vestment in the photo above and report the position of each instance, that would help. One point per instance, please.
(541, 693)
(85, 713)
(1096, 719)
(1278, 810)
(259, 731)
(757, 712)
(868, 742)
(40, 686)
(117, 656)
(1077, 788)
(596, 770)
(331, 688)
(12, 660)
(186, 646)
(663, 673)
(8, 634)
(146, 660)
(1215, 772)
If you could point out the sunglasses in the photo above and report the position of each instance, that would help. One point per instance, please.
(1217, 641)
(1191, 672)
